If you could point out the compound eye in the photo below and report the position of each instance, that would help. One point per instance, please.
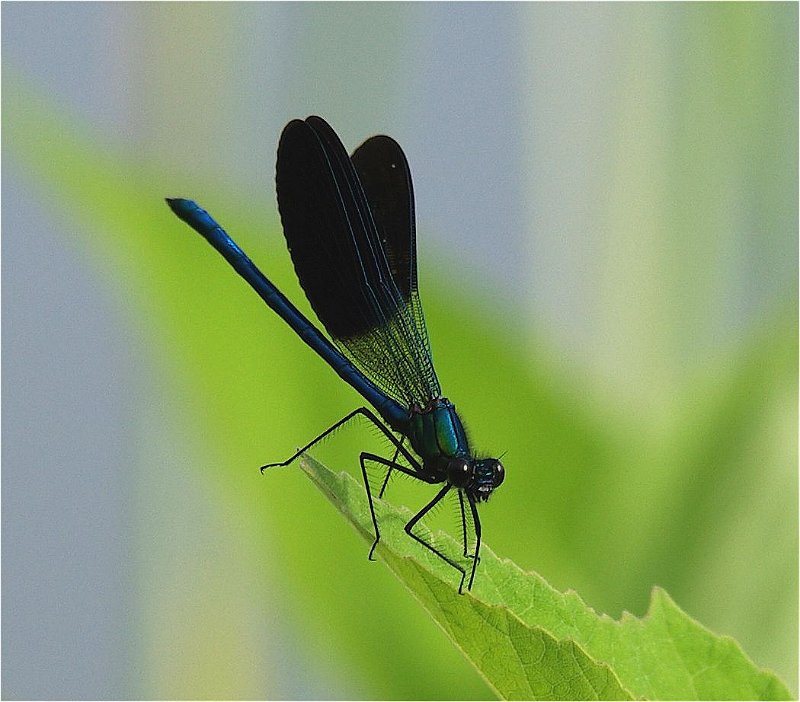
(498, 473)
(458, 472)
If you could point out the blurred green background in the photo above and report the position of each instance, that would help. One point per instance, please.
(607, 224)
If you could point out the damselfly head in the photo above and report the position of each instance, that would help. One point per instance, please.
(478, 477)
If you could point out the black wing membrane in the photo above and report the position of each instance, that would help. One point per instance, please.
(385, 176)
(357, 267)
(383, 171)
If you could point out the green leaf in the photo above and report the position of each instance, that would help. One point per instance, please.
(530, 641)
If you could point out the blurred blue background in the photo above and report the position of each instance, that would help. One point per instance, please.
(606, 192)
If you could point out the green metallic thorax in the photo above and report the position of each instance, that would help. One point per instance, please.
(436, 433)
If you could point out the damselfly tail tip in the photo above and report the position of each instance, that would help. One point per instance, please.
(181, 206)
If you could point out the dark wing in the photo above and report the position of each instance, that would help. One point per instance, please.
(357, 268)
(383, 171)
(384, 174)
